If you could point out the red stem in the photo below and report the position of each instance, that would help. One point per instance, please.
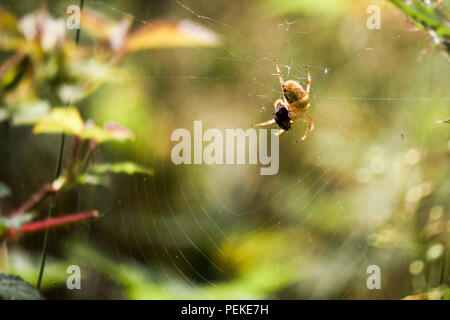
(35, 198)
(49, 223)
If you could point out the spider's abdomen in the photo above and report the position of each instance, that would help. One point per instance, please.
(282, 118)
(293, 91)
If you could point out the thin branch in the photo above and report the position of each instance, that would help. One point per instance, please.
(34, 199)
(73, 160)
(49, 223)
(91, 148)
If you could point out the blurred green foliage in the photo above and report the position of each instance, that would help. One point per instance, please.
(433, 17)
(370, 185)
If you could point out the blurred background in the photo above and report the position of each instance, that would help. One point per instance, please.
(369, 186)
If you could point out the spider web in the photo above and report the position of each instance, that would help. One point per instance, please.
(189, 215)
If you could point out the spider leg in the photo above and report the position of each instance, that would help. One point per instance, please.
(264, 123)
(307, 118)
(280, 75)
(279, 132)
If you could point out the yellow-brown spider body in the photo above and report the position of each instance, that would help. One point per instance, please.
(292, 108)
(293, 91)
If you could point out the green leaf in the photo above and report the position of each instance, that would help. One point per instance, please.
(14, 288)
(67, 120)
(121, 167)
(14, 222)
(4, 190)
(96, 133)
(166, 34)
(428, 16)
(110, 131)
(89, 178)
(30, 112)
(97, 174)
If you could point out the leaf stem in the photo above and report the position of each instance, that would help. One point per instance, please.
(91, 148)
(58, 171)
(73, 160)
(33, 200)
(50, 213)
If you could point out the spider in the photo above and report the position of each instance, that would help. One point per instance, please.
(292, 108)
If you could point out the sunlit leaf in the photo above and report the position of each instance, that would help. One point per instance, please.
(90, 178)
(98, 174)
(94, 132)
(14, 288)
(66, 120)
(165, 34)
(118, 132)
(30, 112)
(110, 131)
(121, 167)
